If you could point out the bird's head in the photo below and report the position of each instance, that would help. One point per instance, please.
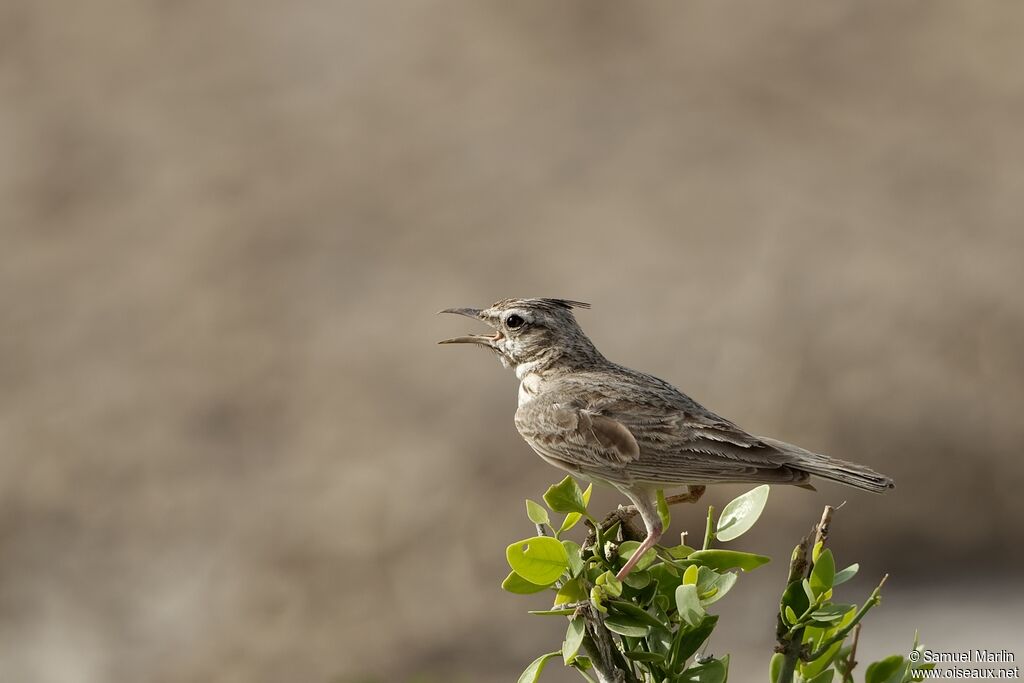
(535, 333)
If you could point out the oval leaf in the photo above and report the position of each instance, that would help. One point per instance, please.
(575, 559)
(741, 513)
(663, 512)
(569, 611)
(846, 574)
(688, 605)
(721, 585)
(795, 598)
(573, 639)
(823, 573)
(570, 592)
(536, 513)
(565, 496)
(882, 671)
(532, 672)
(775, 666)
(630, 610)
(540, 560)
(573, 518)
(710, 672)
(642, 656)
(514, 583)
(626, 626)
(728, 559)
(688, 641)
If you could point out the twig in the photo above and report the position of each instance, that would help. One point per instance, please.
(800, 565)
(821, 533)
(708, 533)
(626, 513)
(610, 665)
(851, 657)
(841, 634)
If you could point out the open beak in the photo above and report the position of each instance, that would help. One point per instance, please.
(484, 339)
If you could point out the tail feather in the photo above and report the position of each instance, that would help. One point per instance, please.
(834, 469)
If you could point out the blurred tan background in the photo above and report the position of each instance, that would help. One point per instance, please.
(229, 448)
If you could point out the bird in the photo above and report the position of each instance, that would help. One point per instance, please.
(605, 423)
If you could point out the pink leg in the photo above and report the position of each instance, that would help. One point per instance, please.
(646, 502)
(653, 536)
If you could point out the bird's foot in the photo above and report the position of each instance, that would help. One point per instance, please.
(692, 495)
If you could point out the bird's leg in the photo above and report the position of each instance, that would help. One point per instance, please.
(627, 512)
(647, 505)
(692, 495)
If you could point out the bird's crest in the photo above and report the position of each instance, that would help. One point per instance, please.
(551, 304)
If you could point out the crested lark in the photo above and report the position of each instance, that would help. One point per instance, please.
(606, 423)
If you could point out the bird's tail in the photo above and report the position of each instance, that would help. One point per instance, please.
(826, 467)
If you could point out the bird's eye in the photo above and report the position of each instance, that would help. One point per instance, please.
(514, 322)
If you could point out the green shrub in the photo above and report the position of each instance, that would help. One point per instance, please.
(651, 626)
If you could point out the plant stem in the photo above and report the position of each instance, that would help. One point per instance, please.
(851, 658)
(791, 641)
(609, 664)
(841, 634)
(708, 533)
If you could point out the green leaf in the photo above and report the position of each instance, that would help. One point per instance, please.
(565, 496)
(536, 513)
(628, 548)
(741, 513)
(630, 610)
(575, 558)
(641, 656)
(885, 670)
(794, 598)
(667, 578)
(514, 583)
(680, 552)
(554, 612)
(775, 667)
(637, 580)
(846, 574)
(663, 511)
(573, 518)
(627, 626)
(791, 616)
(808, 591)
(831, 612)
(823, 573)
(816, 550)
(688, 605)
(581, 664)
(539, 560)
(532, 673)
(710, 672)
(611, 585)
(688, 641)
(713, 581)
(573, 639)
(570, 592)
(815, 636)
(824, 677)
(644, 597)
(728, 559)
(691, 574)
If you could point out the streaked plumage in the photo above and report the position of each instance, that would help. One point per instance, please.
(605, 422)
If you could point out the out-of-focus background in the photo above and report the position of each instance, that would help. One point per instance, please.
(229, 448)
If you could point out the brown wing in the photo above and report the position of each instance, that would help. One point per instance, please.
(575, 437)
(686, 447)
(679, 441)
